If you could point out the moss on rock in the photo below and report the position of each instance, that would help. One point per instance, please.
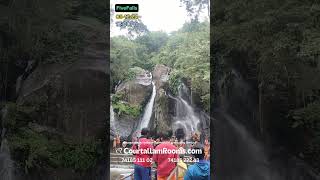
(33, 150)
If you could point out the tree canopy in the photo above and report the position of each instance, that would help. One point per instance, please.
(186, 51)
(275, 45)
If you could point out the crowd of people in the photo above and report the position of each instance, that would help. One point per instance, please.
(166, 163)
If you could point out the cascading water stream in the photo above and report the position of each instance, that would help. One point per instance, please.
(148, 110)
(112, 119)
(185, 116)
(6, 163)
(238, 154)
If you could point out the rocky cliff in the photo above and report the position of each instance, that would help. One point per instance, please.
(162, 116)
(56, 127)
(72, 94)
(128, 103)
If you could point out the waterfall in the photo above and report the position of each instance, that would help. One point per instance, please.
(111, 116)
(238, 154)
(112, 120)
(185, 116)
(148, 110)
(6, 163)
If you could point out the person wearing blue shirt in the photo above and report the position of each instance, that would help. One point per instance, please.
(199, 170)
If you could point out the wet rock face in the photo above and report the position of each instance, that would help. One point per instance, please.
(136, 92)
(160, 75)
(237, 97)
(123, 127)
(162, 118)
(72, 96)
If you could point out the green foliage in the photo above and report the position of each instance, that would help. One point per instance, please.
(187, 53)
(38, 20)
(93, 8)
(133, 72)
(152, 41)
(80, 156)
(64, 48)
(273, 43)
(206, 101)
(147, 46)
(195, 7)
(126, 53)
(33, 149)
(308, 119)
(17, 116)
(126, 109)
(123, 108)
(135, 28)
(117, 97)
(30, 30)
(122, 56)
(174, 81)
(136, 70)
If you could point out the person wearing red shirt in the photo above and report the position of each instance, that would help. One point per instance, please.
(165, 161)
(143, 157)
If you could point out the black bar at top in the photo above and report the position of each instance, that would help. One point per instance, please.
(127, 7)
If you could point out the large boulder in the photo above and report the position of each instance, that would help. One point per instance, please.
(138, 90)
(162, 119)
(162, 115)
(71, 95)
(134, 93)
(160, 75)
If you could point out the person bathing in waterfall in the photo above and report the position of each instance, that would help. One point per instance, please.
(118, 141)
(114, 145)
(201, 169)
(165, 161)
(143, 156)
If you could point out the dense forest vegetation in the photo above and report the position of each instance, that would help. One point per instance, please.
(32, 33)
(275, 45)
(185, 51)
